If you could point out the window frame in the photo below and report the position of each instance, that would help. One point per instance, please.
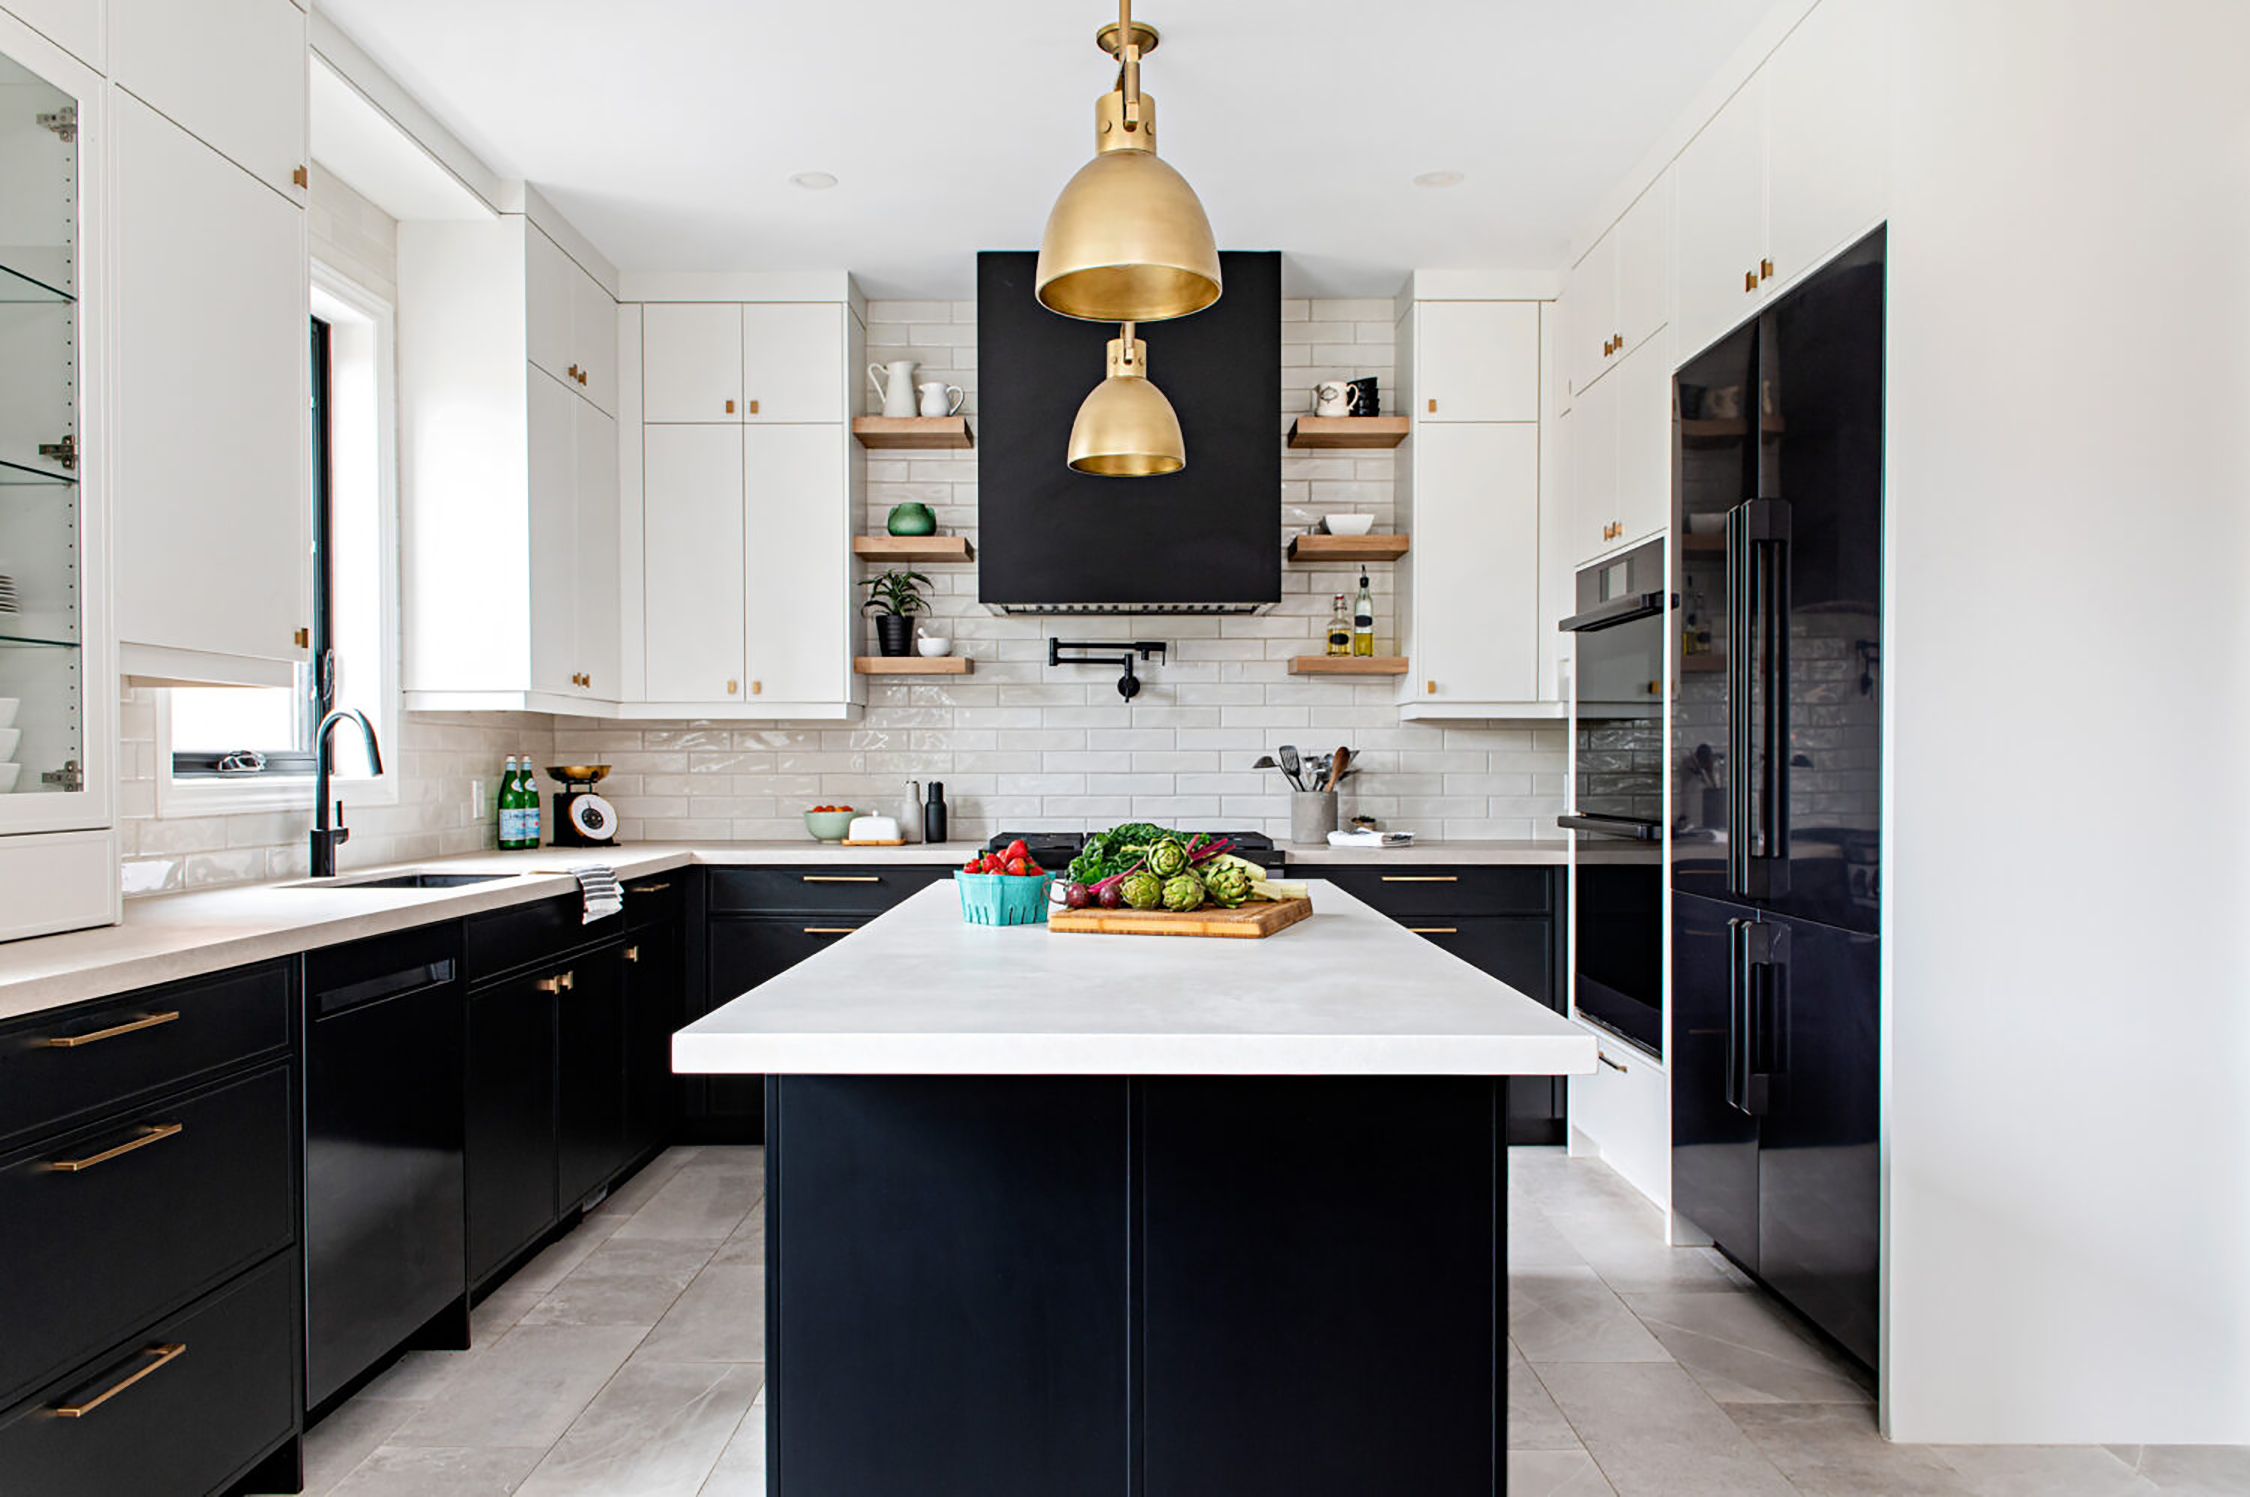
(195, 788)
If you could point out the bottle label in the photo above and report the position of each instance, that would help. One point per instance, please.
(530, 824)
(511, 828)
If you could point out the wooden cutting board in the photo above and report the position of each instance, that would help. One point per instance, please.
(1261, 918)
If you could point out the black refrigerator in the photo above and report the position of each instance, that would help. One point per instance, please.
(1777, 764)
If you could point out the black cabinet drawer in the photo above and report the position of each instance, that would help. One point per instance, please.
(116, 1224)
(747, 951)
(74, 1064)
(1520, 952)
(776, 891)
(509, 1129)
(1406, 891)
(505, 940)
(657, 899)
(191, 1405)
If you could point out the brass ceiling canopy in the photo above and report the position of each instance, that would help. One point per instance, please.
(1126, 428)
(1128, 240)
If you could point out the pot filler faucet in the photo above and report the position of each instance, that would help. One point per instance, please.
(324, 836)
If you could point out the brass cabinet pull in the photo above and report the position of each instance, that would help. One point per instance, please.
(840, 878)
(830, 930)
(147, 1021)
(1605, 1060)
(1431, 687)
(1421, 878)
(1765, 270)
(1619, 339)
(574, 374)
(1749, 280)
(160, 1355)
(753, 408)
(633, 954)
(757, 688)
(1433, 407)
(301, 177)
(730, 688)
(1435, 930)
(303, 637)
(649, 888)
(150, 1133)
(561, 982)
(730, 407)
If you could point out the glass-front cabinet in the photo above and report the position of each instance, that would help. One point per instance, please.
(57, 678)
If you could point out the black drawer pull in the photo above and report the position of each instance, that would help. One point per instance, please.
(1605, 1060)
(400, 984)
(1421, 878)
(149, 1134)
(1435, 930)
(840, 878)
(162, 1355)
(73, 1041)
(830, 930)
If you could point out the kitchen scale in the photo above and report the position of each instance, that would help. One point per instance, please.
(582, 818)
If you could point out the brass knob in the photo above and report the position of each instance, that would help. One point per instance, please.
(1433, 407)
(757, 688)
(301, 177)
(574, 371)
(730, 688)
(730, 407)
(753, 408)
(304, 639)
(1620, 342)
(1430, 688)
(1765, 270)
(1749, 280)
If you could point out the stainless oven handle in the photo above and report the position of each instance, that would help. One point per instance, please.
(1613, 826)
(1617, 611)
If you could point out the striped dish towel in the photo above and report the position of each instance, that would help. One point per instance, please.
(598, 883)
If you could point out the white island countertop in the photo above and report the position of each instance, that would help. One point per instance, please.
(921, 992)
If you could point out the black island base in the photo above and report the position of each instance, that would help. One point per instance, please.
(1076, 1286)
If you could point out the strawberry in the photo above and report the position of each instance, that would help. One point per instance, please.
(1016, 849)
(1019, 868)
(974, 865)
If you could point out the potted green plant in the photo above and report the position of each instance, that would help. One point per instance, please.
(894, 598)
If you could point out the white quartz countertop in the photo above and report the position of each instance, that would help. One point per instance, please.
(170, 937)
(921, 992)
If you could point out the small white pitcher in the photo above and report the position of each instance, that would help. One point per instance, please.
(935, 399)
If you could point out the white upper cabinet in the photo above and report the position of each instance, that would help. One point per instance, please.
(800, 612)
(1827, 109)
(572, 329)
(1476, 598)
(1476, 361)
(1591, 466)
(793, 362)
(232, 73)
(551, 561)
(211, 554)
(1590, 315)
(73, 25)
(1643, 504)
(1721, 221)
(593, 442)
(694, 561)
(1644, 266)
(691, 362)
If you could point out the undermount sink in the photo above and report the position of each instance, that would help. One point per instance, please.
(416, 880)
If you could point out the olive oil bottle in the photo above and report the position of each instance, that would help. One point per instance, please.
(1339, 629)
(1363, 619)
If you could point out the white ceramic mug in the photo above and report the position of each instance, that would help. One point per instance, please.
(1330, 399)
(934, 399)
(894, 384)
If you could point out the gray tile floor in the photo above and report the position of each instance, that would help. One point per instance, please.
(624, 1362)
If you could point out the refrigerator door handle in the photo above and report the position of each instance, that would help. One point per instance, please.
(1765, 974)
(1758, 693)
(1738, 1019)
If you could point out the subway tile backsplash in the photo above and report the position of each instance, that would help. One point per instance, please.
(1018, 745)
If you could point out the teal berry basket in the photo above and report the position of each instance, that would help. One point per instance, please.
(1001, 899)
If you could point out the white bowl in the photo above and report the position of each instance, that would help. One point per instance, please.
(934, 645)
(8, 706)
(8, 773)
(1350, 524)
(9, 737)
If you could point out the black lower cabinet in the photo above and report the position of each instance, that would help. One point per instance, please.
(1159, 1287)
(511, 1119)
(654, 978)
(590, 1143)
(1505, 921)
(186, 1409)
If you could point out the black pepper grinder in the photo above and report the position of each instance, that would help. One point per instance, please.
(933, 813)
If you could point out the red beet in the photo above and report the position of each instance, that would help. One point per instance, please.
(1112, 896)
(1078, 896)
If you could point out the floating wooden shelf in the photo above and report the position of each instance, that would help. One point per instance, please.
(913, 665)
(1696, 665)
(1317, 548)
(929, 433)
(1347, 431)
(1348, 665)
(913, 548)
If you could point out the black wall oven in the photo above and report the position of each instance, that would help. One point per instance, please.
(1621, 633)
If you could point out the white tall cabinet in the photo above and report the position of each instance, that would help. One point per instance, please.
(1480, 588)
(739, 511)
(509, 468)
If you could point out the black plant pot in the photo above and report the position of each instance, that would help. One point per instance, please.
(894, 633)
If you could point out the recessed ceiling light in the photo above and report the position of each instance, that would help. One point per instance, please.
(813, 181)
(1437, 179)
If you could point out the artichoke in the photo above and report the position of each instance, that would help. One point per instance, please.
(1227, 885)
(1183, 892)
(1143, 890)
(1168, 858)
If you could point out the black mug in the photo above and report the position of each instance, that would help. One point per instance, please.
(1361, 398)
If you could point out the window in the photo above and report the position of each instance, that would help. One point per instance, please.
(234, 748)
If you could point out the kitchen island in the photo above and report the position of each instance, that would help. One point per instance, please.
(1071, 1213)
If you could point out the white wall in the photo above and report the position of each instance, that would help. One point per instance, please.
(2069, 671)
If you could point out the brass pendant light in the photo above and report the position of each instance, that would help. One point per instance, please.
(1127, 240)
(1126, 428)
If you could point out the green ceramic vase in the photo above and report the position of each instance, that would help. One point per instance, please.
(912, 519)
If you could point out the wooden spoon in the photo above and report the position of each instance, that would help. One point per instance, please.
(1336, 768)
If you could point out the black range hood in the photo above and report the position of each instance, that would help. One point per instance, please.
(1204, 540)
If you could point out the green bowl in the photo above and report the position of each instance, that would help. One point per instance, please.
(829, 826)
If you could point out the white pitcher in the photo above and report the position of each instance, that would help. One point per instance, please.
(894, 382)
(935, 396)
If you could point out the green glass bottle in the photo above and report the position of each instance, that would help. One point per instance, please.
(510, 812)
(529, 827)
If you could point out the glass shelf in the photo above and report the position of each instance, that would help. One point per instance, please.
(19, 287)
(19, 475)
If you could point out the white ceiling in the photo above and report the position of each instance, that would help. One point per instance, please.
(670, 142)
